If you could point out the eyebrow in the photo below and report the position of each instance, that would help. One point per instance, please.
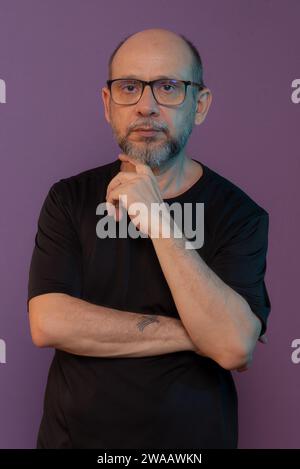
(158, 77)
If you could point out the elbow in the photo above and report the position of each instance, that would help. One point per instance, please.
(235, 361)
(241, 356)
(38, 335)
(238, 358)
(38, 329)
(39, 339)
(231, 359)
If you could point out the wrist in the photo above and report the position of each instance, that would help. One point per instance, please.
(163, 224)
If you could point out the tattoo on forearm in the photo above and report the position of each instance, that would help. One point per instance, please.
(145, 321)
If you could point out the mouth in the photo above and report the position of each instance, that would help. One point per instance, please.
(147, 131)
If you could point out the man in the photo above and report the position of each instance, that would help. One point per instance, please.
(146, 330)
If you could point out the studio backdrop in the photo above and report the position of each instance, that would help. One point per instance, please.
(53, 64)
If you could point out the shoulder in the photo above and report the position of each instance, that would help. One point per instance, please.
(229, 199)
(231, 213)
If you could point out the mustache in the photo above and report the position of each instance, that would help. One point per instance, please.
(153, 125)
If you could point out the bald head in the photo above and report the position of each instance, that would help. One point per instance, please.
(156, 52)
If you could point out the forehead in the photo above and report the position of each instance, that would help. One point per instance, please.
(151, 59)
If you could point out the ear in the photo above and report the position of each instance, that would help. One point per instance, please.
(204, 99)
(106, 100)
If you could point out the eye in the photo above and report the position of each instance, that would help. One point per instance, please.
(167, 86)
(128, 87)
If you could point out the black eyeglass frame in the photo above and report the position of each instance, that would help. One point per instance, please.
(201, 86)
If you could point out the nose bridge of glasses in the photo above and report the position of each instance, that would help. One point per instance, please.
(147, 85)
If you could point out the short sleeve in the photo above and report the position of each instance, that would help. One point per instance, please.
(241, 263)
(56, 259)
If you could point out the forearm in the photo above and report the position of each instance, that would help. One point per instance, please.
(83, 328)
(218, 320)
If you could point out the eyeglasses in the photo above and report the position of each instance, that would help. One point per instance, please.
(166, 91)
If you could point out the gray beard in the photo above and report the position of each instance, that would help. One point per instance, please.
(147, 154)
(154, 155)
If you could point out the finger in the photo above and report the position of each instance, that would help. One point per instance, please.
(119, 212)
(139, 167)
(115, 210)
(120, 178)
(116, 195)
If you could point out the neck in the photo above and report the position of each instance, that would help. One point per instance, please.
(171, 174)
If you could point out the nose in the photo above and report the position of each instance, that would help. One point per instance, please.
(147, 103)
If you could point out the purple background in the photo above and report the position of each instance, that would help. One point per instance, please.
(53, 57)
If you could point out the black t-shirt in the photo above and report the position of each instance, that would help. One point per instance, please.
(174, 400)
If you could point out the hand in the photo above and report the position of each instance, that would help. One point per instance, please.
(134, 187)
(126, 167)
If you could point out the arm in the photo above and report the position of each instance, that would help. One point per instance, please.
(79, 327)
(218, 320)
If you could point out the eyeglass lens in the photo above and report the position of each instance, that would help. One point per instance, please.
(165, 91)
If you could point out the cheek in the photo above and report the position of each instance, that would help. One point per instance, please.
(120, 120)
(177, 125)
(176, 120)
(184, 119)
